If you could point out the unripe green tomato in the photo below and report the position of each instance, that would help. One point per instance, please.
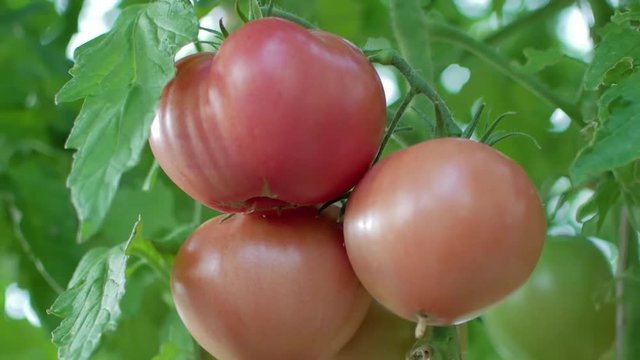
(563, 311)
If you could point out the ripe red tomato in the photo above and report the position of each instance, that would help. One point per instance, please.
(268, 288)
(444, 229)
(382, 336)
(562, 311)
(280, 115)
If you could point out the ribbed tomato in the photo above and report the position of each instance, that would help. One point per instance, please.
(276, 288)
(444, 229)
(280, 115)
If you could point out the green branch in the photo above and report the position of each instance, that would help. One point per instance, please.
(275, 12)
(443, 32)
(417, 82)
(394, 123)
(526, 21)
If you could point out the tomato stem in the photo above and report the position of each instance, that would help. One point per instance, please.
(486, 53)
(493, 126)
(274, 11)
(435, 342)
(393, 58)
(394, 122)
(422, 326)
(468, 132)
(335, 200)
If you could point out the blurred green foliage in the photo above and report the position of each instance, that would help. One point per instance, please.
(38, 223)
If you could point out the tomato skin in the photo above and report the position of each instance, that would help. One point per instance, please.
(444, 228)
(382, 336)
(278, 287)
(562, 311)
(280, 115)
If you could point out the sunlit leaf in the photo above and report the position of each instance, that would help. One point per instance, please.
(120, 75)
(91, 304)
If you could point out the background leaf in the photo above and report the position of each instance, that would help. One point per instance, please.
(36, 35)
(90, 305)
(121, 75)
(615, 141)
(620, 46)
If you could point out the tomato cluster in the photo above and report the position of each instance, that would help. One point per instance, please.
(282, 119)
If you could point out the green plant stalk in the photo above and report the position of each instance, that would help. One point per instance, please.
(275, 12)
(526, 21)
(394, 123)
(410, 29)
(627, 310)
(444, 32)
(417, 82)
(439, 343)
(147, 252)
(602, 12)
(16, 219)
(623, 256)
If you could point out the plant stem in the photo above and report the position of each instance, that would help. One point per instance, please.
(412, 36)
(601, 12)
(444, 32)
(526, 21)
(16, 219)
(394, 122)
(623, 257)
(438, 342)
(288, 16)
(417, 82)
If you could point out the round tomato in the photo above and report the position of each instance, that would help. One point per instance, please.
(444, 229)
(281, 287)
(280, 116)
(562, 311)
(382, 336)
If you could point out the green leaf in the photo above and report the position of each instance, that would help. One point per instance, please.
(255, 12)
(620, 47)
(606, 196)
(629, 179)
(348, 13)
(121, 75)
(91, 304)
(131, 202)
(537, 60)
(409, 24)
(177, 344)
(410, 29)
(615, 142)
(145, 250)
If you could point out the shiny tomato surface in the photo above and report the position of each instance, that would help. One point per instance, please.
(444, 229)
(280, 115)
(279, 287)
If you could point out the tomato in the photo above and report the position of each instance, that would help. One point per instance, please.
(281, 115)
(277, 288)
(444, 229)
(382, 336)
(562, 311)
